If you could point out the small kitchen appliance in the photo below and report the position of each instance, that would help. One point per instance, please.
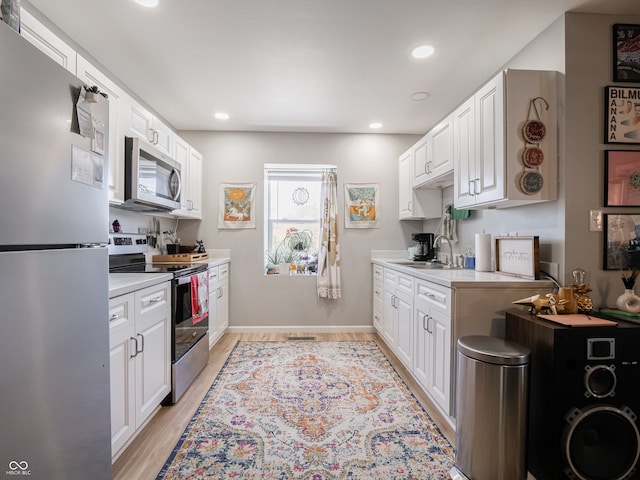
(423, 246)
(189, 338)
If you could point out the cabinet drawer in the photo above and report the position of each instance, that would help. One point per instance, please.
(120, 312)
(434, 294)
(152, 299)
(378, 273)
(223, 272)
(214, 273)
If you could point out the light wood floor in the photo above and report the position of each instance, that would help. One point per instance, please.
(147, 454)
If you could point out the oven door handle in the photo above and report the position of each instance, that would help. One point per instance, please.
(183, 280)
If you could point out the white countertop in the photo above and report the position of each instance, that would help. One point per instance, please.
(459, 277)
(122, 283)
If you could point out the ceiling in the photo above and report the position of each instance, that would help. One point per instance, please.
(303, 65)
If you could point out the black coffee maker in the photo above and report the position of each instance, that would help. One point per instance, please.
(424, 246)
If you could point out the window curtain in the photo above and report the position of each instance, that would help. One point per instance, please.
(329, 254)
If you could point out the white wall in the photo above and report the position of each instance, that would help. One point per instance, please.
(579, 46)
(262, 301)
(589, 70)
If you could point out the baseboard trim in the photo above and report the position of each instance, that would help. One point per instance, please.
(305, 329)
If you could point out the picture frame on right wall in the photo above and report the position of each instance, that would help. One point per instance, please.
(626, 53)
(622, 178)
(622, 115)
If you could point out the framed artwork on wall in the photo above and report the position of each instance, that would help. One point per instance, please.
(237, 205)
(621, 241)
(626, 53)
(622, 178)
(622, 115)
(361, 205)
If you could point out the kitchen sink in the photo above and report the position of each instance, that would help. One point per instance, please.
(419, 265)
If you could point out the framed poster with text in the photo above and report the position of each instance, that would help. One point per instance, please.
(622, 115)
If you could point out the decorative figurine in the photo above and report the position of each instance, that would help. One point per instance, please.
(581, 291)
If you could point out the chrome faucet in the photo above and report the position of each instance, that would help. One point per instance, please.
(435, 245)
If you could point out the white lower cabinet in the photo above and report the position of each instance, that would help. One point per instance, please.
(398, 313)
(218, 302)
(378, 296)
(140, 359)
(432, 333)
(421, 322)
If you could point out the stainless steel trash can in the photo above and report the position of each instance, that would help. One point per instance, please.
(491, 409)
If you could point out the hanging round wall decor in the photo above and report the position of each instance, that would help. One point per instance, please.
(532, 156)
(531, 182)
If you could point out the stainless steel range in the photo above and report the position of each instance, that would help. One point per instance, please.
(189, 332)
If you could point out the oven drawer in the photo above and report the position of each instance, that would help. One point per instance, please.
(152, 299)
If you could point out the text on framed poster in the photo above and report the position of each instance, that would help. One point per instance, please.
(622, 107)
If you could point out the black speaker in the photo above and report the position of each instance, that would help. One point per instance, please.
(583, 399)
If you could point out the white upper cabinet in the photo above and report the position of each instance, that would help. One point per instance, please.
(415, 203)
(49, 43)
(92, 76)
(191, 194)
(488, 142)
(142, 123)
(433, 156)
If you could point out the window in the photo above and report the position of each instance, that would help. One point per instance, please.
(292, 216)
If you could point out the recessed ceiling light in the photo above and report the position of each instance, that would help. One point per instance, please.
(375, 125)
(422, 51)
(221, 116)
(147, 3)
(419, 96)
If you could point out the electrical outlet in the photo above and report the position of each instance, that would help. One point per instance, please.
(595, 220)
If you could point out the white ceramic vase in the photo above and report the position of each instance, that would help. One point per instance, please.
(628, 301)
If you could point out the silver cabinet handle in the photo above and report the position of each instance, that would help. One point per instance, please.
(476, 190)
(220, 292)
(136, 349)
(156, 300)
(142, 343)
(424, 327)
(430, 318)
(472, 187)
(113, 317)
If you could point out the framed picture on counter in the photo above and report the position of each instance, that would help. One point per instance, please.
(622, 178)
(622, 117)
(626, 53)
(518, 256)
(621, 241)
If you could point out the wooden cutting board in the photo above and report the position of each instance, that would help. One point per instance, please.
(579, 320)
(180, 257)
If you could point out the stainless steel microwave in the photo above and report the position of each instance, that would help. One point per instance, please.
(152, 179)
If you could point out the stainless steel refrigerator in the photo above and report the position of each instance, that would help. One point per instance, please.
(54, 340)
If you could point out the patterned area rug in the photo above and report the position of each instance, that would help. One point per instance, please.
(313, 411)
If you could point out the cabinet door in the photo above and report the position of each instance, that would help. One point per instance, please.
(464, 155)
(421, 158)
(153, 346)
(490, 143)
(153, 364)
(404, 338)
(162, 137)
(405, 185)
(46, 41)
(439, 360)
(421, 347)
(441, 161)
(378, 293)
(194, 200)
(138, 120)
(389, 317)
(222, 306)
(122, 380)
(214, 274)
(92, 76)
